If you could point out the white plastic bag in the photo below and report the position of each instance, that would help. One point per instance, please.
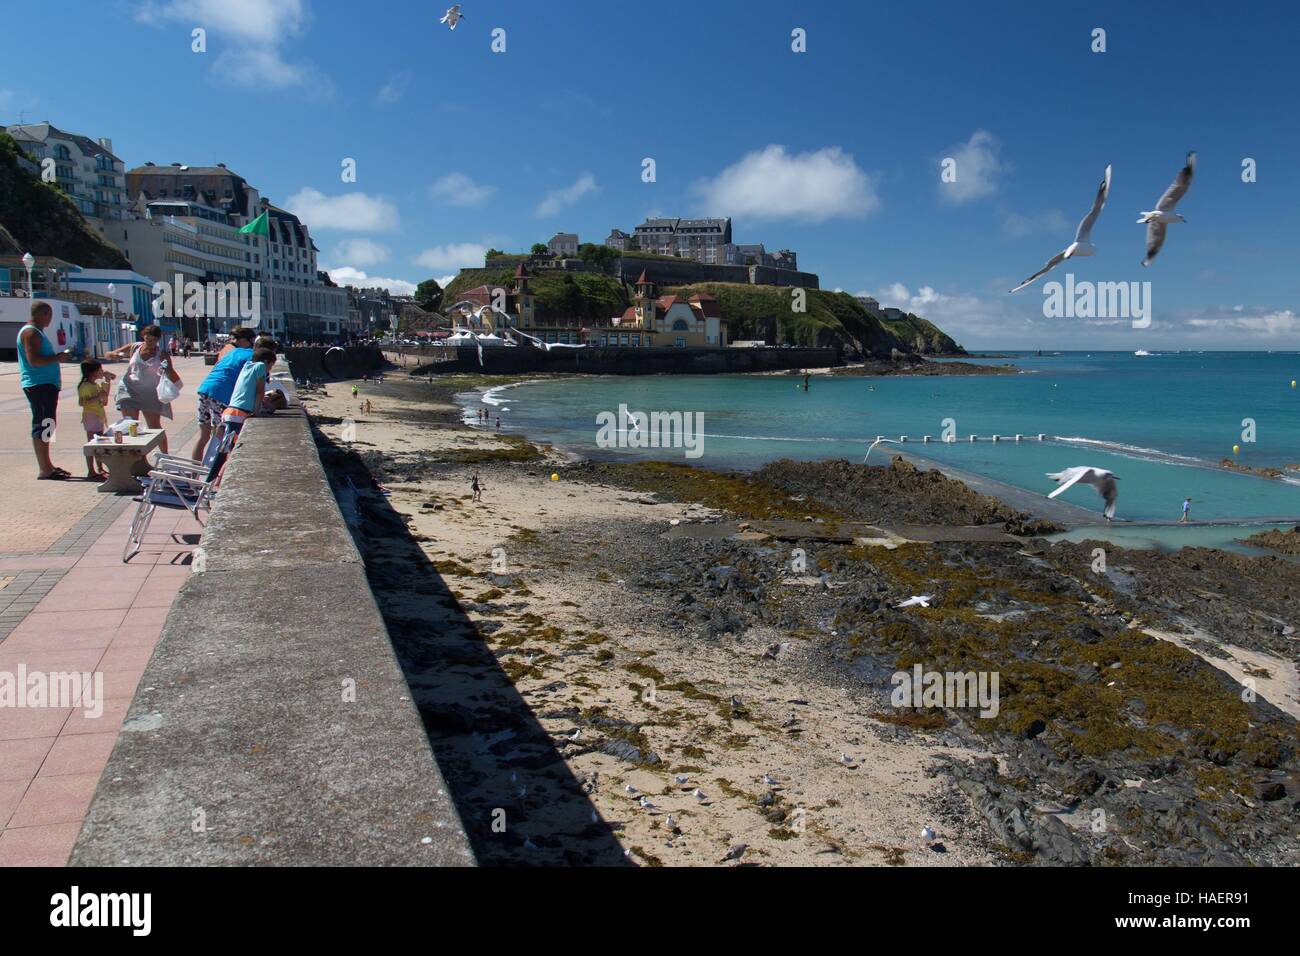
(168, 391)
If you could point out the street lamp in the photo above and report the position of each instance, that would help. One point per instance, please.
(112, 310)
(28, 262)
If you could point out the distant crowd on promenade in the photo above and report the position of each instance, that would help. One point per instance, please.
(235, 389)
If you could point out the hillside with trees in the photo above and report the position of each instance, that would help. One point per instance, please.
(39, 218)
(753, 311)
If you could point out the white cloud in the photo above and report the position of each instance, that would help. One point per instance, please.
(979, 167)
(363, 252)
(356, 212)
(257, 30)
(457, 189)
(807, 187)
(561, 199)
(1262, 324)
(455, 255)
(347, 275)
(392, 91)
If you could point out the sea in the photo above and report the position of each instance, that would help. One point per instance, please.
(1163, 422)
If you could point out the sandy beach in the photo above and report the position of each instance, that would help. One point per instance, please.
(645, 641)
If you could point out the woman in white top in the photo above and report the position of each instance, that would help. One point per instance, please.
(137, 390)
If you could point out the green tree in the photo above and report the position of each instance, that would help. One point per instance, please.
(540, 249)
(429, 295)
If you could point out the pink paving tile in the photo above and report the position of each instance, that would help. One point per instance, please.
(109, 721)
(19, 723)
(159, 595)
(68, 622)
(97, 597)
(49, 662)
(167, 571)
(86, 576)
(38, 846)
(79, 753)
(125, 657)
(113, 559)
(121, 684)
(143, 617)
(56, 640)
(141, 636)
(11, 794)
(63, 799)
(20, 759)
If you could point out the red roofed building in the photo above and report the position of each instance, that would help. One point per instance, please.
(519, 304)
(668, 320)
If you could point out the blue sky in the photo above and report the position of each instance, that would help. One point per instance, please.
(834, 152)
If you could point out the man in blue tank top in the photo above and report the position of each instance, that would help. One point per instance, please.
(41, 379)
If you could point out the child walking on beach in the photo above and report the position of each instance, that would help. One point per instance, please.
(92, 395)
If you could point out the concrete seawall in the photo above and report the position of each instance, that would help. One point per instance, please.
(320, 361)
(273, 725)
(624, 361)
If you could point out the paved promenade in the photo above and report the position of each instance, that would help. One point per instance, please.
(69, 604)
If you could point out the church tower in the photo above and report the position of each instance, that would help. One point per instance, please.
(523, 297)
(645, 302)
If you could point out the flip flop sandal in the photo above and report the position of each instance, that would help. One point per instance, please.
(62, 471)
(53, 476)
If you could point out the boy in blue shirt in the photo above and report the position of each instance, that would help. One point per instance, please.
(249, 391)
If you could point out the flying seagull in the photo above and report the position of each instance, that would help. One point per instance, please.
(874, 444)
(453, 16)
(917, 600)
(1082, 245)
(1158, 219)
(1099, 478)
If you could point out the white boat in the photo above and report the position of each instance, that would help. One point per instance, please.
(1141, 352)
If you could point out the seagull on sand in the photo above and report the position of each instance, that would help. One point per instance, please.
(701, 796)
(1158, 219)
(681, 779)
(917, 600)
(874, 444)
(927, 834)
(452, 17)
(1082, 245)
(1099, 478)
(646, 804)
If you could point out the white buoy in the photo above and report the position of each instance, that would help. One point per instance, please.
(1042, 437)
(925, 440)
(902, 438)
(972, 438)
(1017, 438)
(996, 439)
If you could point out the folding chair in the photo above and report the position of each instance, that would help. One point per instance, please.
(178, 483)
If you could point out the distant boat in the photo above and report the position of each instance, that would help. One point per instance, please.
(1141, 352)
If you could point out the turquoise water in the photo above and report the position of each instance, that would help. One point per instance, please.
(1161, 423)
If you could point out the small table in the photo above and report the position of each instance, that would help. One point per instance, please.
(125, 461)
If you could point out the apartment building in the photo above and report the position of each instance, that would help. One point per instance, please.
(86, 169)
(704, 240)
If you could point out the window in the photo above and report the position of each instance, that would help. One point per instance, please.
(680, 342)
(681, 326)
